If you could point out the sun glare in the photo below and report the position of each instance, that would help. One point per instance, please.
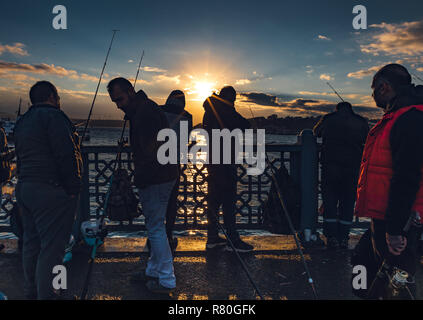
(203, 89)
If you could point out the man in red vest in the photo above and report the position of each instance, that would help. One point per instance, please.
(390, 186)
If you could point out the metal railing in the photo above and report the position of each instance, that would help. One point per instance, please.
(301, 160)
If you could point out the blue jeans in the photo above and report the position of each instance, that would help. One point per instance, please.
(154, 200)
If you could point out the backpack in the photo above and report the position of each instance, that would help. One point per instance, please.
(274, 218)
(122, 205)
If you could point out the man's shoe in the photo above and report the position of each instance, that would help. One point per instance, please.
(141, 277)
(216, 241)
(239, 245)
(344, 244)
(155, 287)
(332, 243)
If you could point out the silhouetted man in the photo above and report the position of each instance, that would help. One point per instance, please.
(153, 180)
(390, 187)
(222, 180)
(176, 114)
(49, 181)
(344, 134)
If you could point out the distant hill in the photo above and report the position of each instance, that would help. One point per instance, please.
(287, 125)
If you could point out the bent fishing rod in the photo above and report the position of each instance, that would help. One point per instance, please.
(98, 86)
(101, 233)
(288, 218)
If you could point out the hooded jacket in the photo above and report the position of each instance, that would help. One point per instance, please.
(146, 120)
(391, 184)
(221, 114)
(47, 148)
(344, 134)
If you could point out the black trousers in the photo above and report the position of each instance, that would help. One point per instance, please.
(222, 191)
(48, 214)
(339, 187)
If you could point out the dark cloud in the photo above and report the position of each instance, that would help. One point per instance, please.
(302, 107)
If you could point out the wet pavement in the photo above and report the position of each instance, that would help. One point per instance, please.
(215, 274)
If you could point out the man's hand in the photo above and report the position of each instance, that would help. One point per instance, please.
(396, 244)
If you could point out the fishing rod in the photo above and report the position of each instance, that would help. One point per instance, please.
(417, 77)
(243, 265)
(135, 83)
(101, 232)
(335, 91)
(98, 86)
(288, 218)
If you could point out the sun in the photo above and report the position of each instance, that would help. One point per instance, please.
(203, 89)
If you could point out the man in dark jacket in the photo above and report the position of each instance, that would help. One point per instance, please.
(177, 116)
(344, 134)
(220, 114)
(154, 181)
(49, 181)
(390, 187)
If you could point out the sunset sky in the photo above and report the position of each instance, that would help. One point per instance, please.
(277, 54)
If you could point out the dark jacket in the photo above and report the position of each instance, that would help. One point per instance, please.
(406, 141)
(47, 148)
(221, 114)
(174, 115)
(146, 120)
(344, 134)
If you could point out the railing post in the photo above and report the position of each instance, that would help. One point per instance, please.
(309, 180)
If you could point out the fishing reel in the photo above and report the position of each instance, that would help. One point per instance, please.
(399, 280)
(93, 230)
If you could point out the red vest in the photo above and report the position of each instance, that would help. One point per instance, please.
(376, 170)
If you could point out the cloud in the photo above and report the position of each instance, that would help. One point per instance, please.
(16, 49)
(44, 68)
(164, 78)
(242, 82)
(300, 106)
(396, 39)
(325, 77)
(153, 69)
(360, 74)
(322, 37)
(263, 99)
(309, 70)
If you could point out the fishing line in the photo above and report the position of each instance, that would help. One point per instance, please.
(100, 234)
(98, 86)
(288, 218)
(334, 91)
(417, 77)
(244, 266)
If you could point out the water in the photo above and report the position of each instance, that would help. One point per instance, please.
(110, 136)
